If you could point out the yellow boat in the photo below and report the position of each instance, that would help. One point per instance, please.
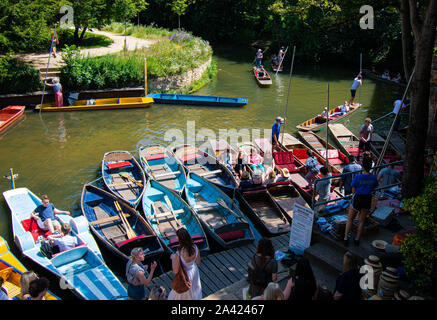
(100, 104)
(11, 270)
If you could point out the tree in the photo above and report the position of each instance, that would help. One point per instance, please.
(179, 7)
(423, 19)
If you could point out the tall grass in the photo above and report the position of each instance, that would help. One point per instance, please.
(172, 54)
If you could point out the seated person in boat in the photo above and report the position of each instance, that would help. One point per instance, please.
(257, 178)
(246, 181)
(275, 61)
(386, 75)
(283, 176)
(312, 167)
(268, 161)
(256, 161)
(398, 78)
(321, 118)
(270, 177)
(64, 240)
(344, 108)
(228, 161)
(45, 213)
(239, 165)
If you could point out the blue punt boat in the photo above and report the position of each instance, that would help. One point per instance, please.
(118, 226)
(80, 269)
(207, 166)
(197, 100)
(161, 165)
(123, 176)
(219, 214)
(166, 212)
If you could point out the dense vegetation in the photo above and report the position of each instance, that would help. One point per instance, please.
(174, 53)
(17, 77)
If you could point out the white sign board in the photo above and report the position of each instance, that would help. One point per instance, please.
(301, 228)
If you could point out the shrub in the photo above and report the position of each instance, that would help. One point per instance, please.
(420, 249)
(17, 77)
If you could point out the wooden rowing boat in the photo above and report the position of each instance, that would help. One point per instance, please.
(197, 100)
(160, 164)
(10, 115)
(263, 80)
(375, 76)
(205, 165)
(81, 268)
(119, 234)
(11, 271)
(259, 205)
(345, 139)
(166, 212)
(287, 142)
(220, 216)
(123, 176)
(100, 104)
(313, 125)
(336, 159)
(286, 195)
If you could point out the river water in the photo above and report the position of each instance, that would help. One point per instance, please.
(57, 153)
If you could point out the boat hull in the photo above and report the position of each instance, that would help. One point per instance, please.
(197, 100)
(10, 115)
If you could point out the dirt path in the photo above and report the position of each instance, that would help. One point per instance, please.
(39, 61)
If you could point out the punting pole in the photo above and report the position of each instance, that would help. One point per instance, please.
(361, 69)
(145, 77)
(288, 93)
(277, 70)
(327, 123)
(387, 141)
(47, 69)
(12, 178)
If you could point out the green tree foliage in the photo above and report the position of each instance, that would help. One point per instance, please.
(17, 77)
(179, 7)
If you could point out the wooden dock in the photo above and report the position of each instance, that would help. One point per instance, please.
(222, 269)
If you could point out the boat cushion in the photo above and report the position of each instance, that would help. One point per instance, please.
(69, 256)
(335, 161)
(285, 159)
(156, 156)
(197, 238)
(332, 154)
(116, 165)
(231, 235)
(353, 151)
(300, 153)
(32, 226)
(122, 243)
(190, 156)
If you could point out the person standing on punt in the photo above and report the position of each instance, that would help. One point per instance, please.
(365, 135)
(357, 82)
(276, 130)
(258, 58)
(57, 88)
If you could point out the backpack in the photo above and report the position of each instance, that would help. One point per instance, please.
(259, 277)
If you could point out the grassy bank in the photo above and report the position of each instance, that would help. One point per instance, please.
(173, 54)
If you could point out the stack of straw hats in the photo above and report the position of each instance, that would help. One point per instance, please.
(388, 283)
(401, 295)
(373, 262)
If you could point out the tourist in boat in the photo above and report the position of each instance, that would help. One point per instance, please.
(362, 188)
(45, 213)
(312, 167)
(398, 78)
(158, 293)
(258, 58)
(256, 161)
(397, 104)
(357, 82)
(246, 181)
(257, 178)
(388, 176)
(239, 165)
(284, 175)
(271, 177)
(321, 118)
(57, 88)
(386, 75)
(365, 136)
(276, 129)
(38, 289)
(323, 188)
(303, 286)
(275, 61)
(187, 257)
(264, 260)
(63, 240)
(3, 291)
(272, 292)
(347, 285)
(344, 108)
(346, 180)
(137, 276)
(228, 161)
(25, 280)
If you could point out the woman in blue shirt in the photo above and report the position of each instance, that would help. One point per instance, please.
(362, 188)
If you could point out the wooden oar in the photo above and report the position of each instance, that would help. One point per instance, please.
(167, 200)
(129, 231)
(151, 171)
(223, 203)
(128, 177)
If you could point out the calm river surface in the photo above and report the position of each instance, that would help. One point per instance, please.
(57, 153)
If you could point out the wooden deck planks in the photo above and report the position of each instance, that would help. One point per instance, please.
(224, 269)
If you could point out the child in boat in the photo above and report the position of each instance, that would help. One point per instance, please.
(256, 161)
(64, 240)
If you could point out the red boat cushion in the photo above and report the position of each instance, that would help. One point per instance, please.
(197, 238)
(300, 153)
(332, 154)
(190, 156)
(122, 243)
(231, 235)
(118, 165)
(283, 157)
(156, 156)
(336, 161)
(353, 151)
(32, 226)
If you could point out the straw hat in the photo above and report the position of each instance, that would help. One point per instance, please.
(401, 295)
(285, 173)
(373, 261)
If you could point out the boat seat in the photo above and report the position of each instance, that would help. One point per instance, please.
(69, 256)
(106, 220)
(156, 156)
(209, 173)
(300, 153)
(117, 165)
(171, 174)
(190, 157)
(32, 226)
(332, 154)
(206, 206)
(285, 159)
(231, 235)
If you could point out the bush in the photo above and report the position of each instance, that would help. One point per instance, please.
(420, 249)
(18, 77)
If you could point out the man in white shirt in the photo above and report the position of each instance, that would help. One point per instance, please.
(65, 240)
(397, 106)
(357, 82)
